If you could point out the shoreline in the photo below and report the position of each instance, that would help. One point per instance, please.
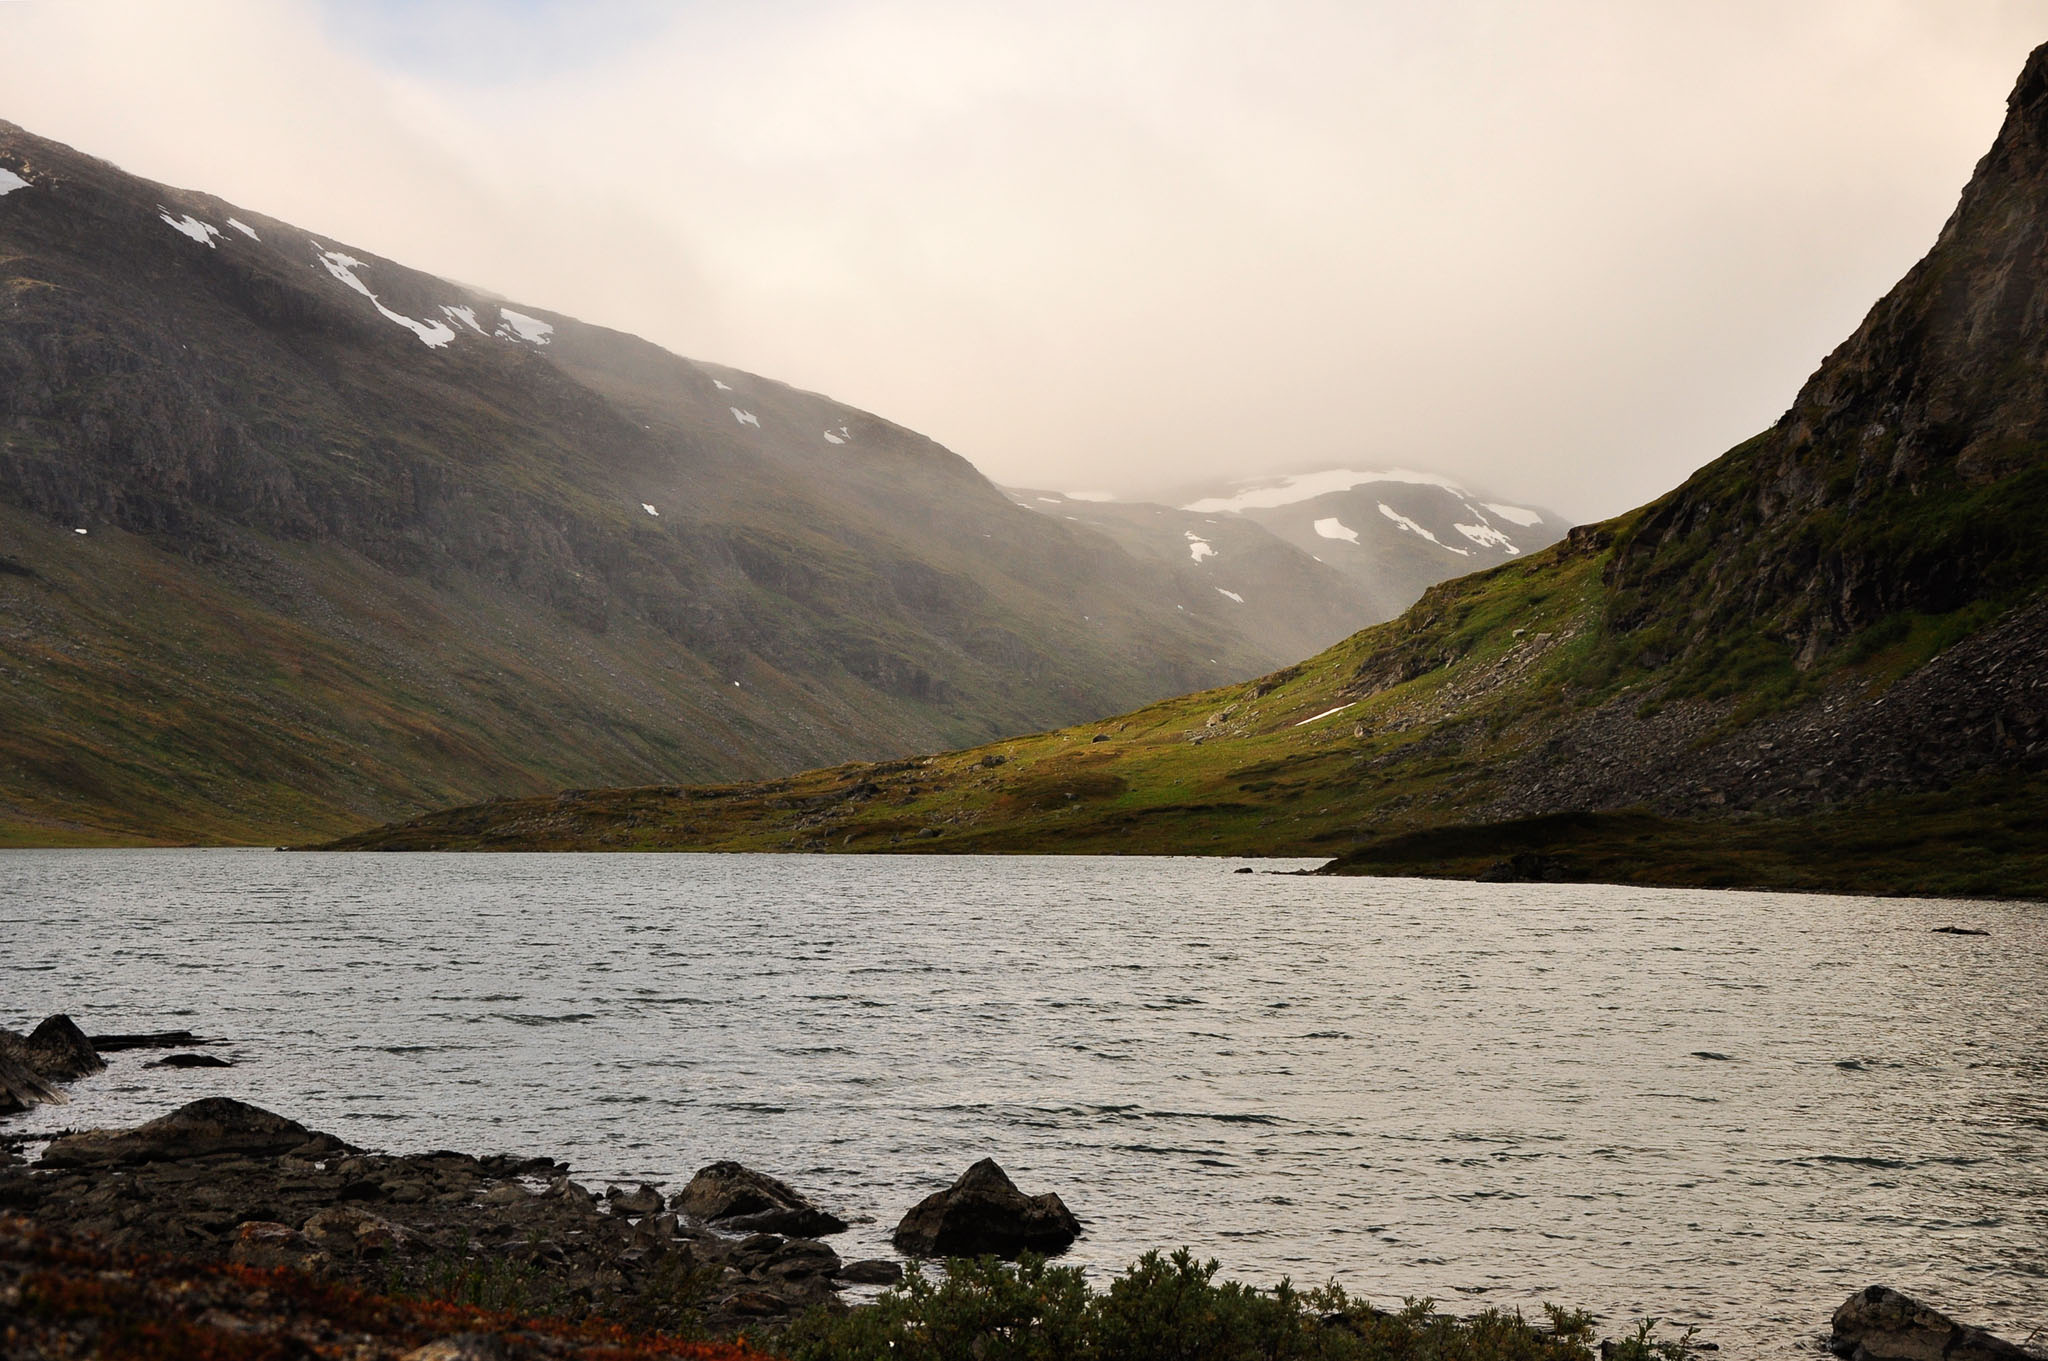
(258, 1215)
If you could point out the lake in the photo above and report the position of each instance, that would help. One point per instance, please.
(1729, 1109)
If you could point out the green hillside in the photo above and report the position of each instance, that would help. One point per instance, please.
(1822, 663)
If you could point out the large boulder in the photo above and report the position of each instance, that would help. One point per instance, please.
(1880, 1324)
(59, 1050)
(729, 1196)
(199, 1129)
(984, 1213)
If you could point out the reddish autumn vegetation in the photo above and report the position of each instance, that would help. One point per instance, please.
(62, 1297)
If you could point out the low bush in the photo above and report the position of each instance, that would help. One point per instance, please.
(1171, 1308)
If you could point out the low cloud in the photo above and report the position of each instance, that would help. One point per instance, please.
(1567, 252)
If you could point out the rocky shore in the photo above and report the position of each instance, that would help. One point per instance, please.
(222, 1229)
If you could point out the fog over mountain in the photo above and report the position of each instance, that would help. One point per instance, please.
(1572, 251)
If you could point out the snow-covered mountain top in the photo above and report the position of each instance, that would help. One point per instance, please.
(1285, 491)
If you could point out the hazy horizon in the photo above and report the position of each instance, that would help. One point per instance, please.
(1566, 257)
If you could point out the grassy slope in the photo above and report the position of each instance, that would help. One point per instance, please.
(1430, 707)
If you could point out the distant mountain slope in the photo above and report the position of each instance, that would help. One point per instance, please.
(1229, 567)
(1822, 663)
(294, 538)
(1396, 532)
(1313, 556)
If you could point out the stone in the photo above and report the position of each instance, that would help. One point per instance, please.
(60, 1051)
(802, 1257)
(644, 1201)
(198, 1129)
(264, 1243)
(870, 1271)
(190, 1061)
(459, 1347)
(20, 1085)
(742, 1200)
(984, 1213)
(347, 1231)
(1880, 1324)
(157, 1039)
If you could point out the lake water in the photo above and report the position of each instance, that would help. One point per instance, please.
(1481, 1093)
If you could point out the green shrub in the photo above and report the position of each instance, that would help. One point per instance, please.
(1170, 1308)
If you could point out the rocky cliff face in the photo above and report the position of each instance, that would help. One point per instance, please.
(1897, 479)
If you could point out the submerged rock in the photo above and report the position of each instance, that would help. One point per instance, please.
(731, 1196)
(1880, 1324)
(190, 1061)
(984, 1212)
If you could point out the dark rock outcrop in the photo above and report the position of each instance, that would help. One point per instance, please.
(34, 1066)
(1880, 1324)
(984, 1212)
(59, 1050)
(201, 1129)
(741, 1200)
(222, 1180)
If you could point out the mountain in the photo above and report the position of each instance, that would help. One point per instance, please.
(294, 538)
(1822, 663)
(1280, 597)
(1313, 555)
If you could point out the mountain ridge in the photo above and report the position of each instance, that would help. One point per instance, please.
(358, 541)
(1821, 663)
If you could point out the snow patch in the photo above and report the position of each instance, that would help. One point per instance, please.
(9, 182)
(519, 326)
(78, 531)
(1486, 536)
(840, 436)
(1411, 527)
(432, 334)
(831, 438)
(1307, 486)
(1324, 714)
(1052, 500)
(1233, 595)
(650, 510)
(1334, 528)
(745, 417)
(1516, 514)
(465, 315)
(722, 387)
(1090, 495)
(244, 228)
(205, 233)
(1199, 547)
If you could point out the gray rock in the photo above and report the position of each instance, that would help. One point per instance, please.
(459, 1347)
(190, 1061)
(982, 1213)
(870, 1271)
(1880, 1324)
(20, 1085)
(644, 1201)
(745, 1201)
(217, 1124)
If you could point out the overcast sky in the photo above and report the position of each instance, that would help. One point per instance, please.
(1567, 250)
